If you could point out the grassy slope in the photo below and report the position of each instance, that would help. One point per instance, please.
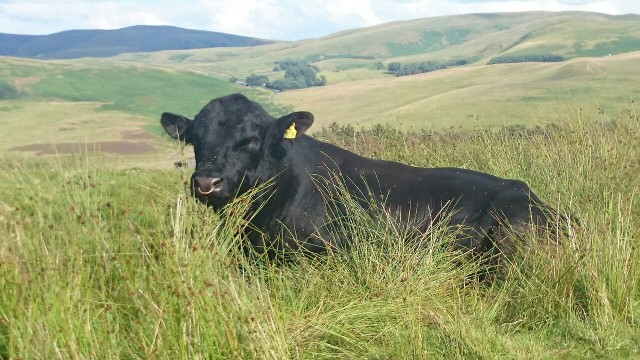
(525, 93)
(102, 100)
(104, 263)
(582, 37)
(32, 126)
(28, 120)
(131, 88)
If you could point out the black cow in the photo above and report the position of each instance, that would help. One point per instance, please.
(238, 146)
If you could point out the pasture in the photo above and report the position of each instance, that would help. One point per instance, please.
(105, 262)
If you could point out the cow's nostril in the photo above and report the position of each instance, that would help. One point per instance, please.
(216, 183)
(207, 185)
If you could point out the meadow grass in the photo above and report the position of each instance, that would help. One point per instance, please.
(97, 262)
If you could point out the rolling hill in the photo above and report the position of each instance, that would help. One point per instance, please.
(105, 43)
(476, 37)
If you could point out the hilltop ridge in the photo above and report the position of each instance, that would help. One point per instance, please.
(73, 44)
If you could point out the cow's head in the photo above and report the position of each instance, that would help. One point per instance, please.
(237, 144)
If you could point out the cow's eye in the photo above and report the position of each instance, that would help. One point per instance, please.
(248, 142)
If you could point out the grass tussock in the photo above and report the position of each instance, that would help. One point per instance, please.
(105, 263)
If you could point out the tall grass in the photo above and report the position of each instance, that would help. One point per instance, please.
(105, 263)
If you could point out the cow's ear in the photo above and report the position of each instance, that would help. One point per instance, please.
(177, 126)
(292, 126)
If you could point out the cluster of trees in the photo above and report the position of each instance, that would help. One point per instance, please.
(257, 80)
(298, 75)
(427, 66)
(286, 64)
(526, 58)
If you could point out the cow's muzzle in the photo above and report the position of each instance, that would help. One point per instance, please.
(206, 185)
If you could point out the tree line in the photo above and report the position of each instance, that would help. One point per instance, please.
(400, 69)
(297, 75)
(526, 58)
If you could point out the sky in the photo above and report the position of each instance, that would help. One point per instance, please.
(267, 19)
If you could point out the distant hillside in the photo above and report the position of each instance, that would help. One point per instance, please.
(483, 95)
(476, 38)
(105, 43)
(483, 36)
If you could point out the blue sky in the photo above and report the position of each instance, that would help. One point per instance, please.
(271, 19)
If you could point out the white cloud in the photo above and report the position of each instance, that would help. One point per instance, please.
(244, 17)
(287, 19)
(275, 19)
(108, 16)
(355, 11)
(37, 17)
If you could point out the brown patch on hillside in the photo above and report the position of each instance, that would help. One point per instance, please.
(136, 135)
(409, 37)
(111, 147)
(23, 84)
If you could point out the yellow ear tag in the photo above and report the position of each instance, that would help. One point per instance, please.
(291, 132)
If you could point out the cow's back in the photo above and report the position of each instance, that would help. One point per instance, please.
(423, 196)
